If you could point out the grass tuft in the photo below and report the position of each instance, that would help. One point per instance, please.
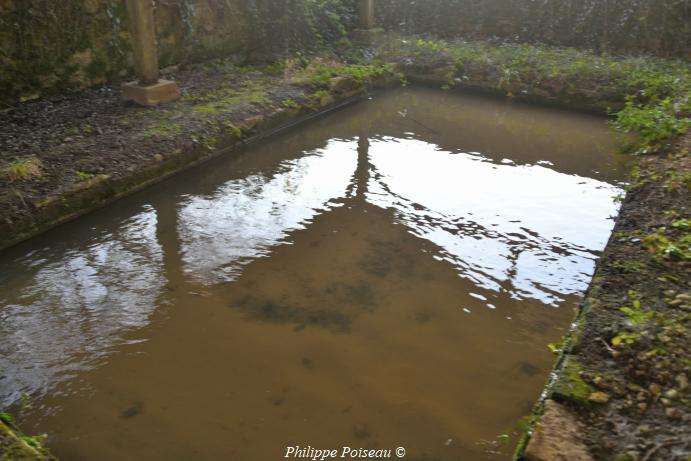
(23, 169)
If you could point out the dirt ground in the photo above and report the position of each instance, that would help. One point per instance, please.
(80, 139)
(635, 348)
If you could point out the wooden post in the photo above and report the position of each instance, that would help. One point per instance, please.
(148, 90)
(141, 22)
(366, 14)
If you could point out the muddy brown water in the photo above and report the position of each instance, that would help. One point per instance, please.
(387, 276)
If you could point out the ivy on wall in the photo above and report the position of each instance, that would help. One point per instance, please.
(45, 44)
(48, 45)
(661, 27)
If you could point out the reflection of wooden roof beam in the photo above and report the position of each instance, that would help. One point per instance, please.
(149, 89)
(363, 167)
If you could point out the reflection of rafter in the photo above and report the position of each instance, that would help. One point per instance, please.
(514, 243)
(358, 187)
(363, 167)
(168, 238)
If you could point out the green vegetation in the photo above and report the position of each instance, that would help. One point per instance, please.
(49, 46)
(625, 26)
(23, 169)
(35, 441)
(83, 176)
(651, 95)
(525, 425)
(236, 131)
(518, 433)
(289, 103)
(249, 93)
(6, 418)
(209, 142)
(635, 314)
(430, 46)
(16, 446)
(320, 72)
(682, 224)
(669, 247)
(677, 181)
(624, 339)
(655, 121)
(72, 131)
(163, 128)
(631, 265)
(321, 98)
(558, 347)
(641, 177)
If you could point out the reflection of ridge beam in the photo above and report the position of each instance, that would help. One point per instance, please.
(424, 222)
(363, 167)
(168, 239)
(429, 219)
(361, 176)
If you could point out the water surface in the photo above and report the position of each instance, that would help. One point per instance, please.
(389, 275)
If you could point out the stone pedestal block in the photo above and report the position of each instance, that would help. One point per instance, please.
(150, 95)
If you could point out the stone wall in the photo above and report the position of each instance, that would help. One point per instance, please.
(49, 45)
(659, 27)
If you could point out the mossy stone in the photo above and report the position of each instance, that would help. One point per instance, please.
(570, 385)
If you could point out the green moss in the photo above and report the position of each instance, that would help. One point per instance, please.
(522, 443)
(6, 418)
(15, 446)
(570, 385)
(225, 99)
(559, 346)
(82, 175)
(290, 103)
(321, 98)
(34, 441)
(163, 129)
(238, 133)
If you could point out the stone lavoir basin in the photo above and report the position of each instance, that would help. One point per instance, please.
(389, 275)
